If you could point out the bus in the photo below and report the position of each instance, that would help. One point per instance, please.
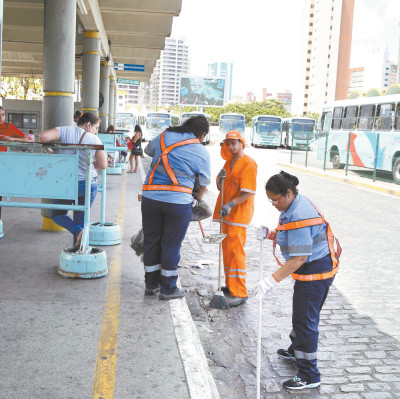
(298, 131)
(266, 130)
(232, 121)
(187, 115)
(157, 122)
(126, 122)
(366, 130)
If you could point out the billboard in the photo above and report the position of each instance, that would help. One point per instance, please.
(202, 91)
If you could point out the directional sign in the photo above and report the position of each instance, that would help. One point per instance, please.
(128, 67)
(128, 82)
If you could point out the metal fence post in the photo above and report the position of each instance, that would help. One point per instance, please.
(348, 154)
(376, 155)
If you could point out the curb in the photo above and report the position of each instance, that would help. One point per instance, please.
(379, 187)
(201, 384)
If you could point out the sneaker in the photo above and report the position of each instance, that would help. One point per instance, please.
(151, 291)
(285, 354)
(178, 293)
(298, 383)
(235, 301)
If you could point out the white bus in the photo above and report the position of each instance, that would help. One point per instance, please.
(298, 131)
(232, 121)
(266, 131)
(366, 129)
(157, 122)
(125, 121)
(187, 115)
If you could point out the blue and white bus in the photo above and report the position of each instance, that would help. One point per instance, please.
(187, 115)
(298, 131)
(157, 122)
(126, 121)
(232, 121)
(266, 131)
(367, 129)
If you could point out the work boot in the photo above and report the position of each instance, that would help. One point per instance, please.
(236, 301)
(178, 293)
(151, 291)
(225, 290)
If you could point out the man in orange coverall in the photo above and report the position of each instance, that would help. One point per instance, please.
(237, 212)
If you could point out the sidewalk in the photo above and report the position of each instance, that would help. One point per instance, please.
(99, 338)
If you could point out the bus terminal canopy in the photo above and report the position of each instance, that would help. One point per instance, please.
(132, 32)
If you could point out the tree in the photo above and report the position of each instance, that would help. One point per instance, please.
(21, 88)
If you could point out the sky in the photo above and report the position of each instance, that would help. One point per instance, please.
(261, 38)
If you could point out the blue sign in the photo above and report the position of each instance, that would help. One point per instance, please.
(128, 67)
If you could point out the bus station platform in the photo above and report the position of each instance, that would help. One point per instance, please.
(91, 338)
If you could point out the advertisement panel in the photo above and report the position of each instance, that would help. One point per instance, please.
(202, 91)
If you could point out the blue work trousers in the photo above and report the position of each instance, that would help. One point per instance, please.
(74, 225)
(308, 299)
(164, 228)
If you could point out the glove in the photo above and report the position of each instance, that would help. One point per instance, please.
(195, 204)
(262, 233)
(264, 286)
(221, 175)
(226, 209)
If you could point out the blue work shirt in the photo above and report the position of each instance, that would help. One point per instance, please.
(186, 161)
(310, 241)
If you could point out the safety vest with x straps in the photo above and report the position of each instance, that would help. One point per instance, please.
(164, 158)
(330, 238)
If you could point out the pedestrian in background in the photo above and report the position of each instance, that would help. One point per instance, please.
(84, 133)
(237, 212)
(177, 157)
(136, 149)
(77, 115)
(307, 245)
(8, 132)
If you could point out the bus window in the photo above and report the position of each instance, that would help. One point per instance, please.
(397, 118)
(337, 118)
(326, 122)
(366, 119)
(350, 118)
(384, 116)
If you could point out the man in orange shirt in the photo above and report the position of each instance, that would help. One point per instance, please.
(8, 132)
(237, 212)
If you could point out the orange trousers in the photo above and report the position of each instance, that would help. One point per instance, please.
(235, 259)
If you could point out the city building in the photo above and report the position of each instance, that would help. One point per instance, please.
(356, 80)
(325, 58)
(223, 70)
(165, 80)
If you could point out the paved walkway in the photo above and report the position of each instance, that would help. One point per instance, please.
(101, 338)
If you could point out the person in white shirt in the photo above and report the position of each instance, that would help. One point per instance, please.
(84, 133)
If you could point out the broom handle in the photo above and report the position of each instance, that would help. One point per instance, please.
(220, 231)
(202, 230)
(260, 275)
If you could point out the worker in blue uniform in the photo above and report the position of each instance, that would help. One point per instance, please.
(307, 245)
(177, 158)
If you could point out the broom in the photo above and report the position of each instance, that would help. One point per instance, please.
(218, 301)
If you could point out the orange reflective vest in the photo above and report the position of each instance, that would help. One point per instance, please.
(335, 255)
(164, 158)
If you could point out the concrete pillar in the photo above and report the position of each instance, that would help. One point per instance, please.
(58, 62)
(116, 104)
(58, 72)
(91, 72)
(111, 114)
(105, 91)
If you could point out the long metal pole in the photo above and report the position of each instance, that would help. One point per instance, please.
(259, 330)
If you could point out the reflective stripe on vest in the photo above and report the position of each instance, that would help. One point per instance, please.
(335, 255)
(164, 158)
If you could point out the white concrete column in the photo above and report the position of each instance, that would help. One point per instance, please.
(105, 91)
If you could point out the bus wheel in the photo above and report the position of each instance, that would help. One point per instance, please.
(396, 171)
(336, 162)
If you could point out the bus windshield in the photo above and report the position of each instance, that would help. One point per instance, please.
(158, 123)
(125, 121)
(268, 127)
(303, 129)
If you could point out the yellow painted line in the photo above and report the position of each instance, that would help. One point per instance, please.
(92, 33)
(106, 363)
(57, 93)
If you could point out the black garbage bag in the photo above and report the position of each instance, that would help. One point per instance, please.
(202, 211)
(137, 243)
